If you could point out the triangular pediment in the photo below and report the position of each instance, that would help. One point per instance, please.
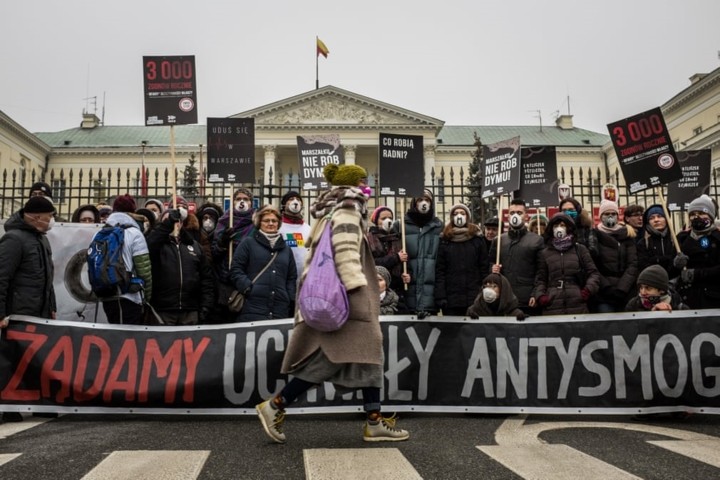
(333, 107)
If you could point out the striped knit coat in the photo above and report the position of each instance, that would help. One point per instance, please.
(360, 339)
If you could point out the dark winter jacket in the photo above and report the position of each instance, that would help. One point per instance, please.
(273, 293)
(421, 243)
(506, 305)
(635, 304)
(242, 228)
(704, 260)
(460, 268)
(520, 252)
(385, 247)
(389, 303)
(26, 271)
(654, 248)
(616, 260)
(182, 273)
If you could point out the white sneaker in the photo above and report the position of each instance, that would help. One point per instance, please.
(272, 419)
(384, 431)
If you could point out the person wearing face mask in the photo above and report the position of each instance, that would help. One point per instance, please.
(386, 246)
(294, 230)
(26, 267)
(699, 284)
(654, 244)
(190, 223)
(146, 220)
(462, 262)
(242, 226)
(654, 292)
(496, 299)
(208, 215)
(520, 252)
(566, 277)
(422, 240)
(584, 233)
(616, 260)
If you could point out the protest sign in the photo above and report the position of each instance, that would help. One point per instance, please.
(539, 180)
(315, 152)
(500, 168)
(231, 150)
(170, 91)
(695, 166)
(644, 150)
(402, 170)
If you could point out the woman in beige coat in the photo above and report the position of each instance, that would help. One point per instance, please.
(351, 357)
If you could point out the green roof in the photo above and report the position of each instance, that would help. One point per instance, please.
(124, 136)
(573, 137)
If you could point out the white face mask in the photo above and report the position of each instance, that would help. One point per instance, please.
(183, 213)
(560, 231)
(208, 225)
(242, 206)
(386, 224)
(294, 207)
(489, 294)
(516, 220)
(459, 220)
(51, 224)
(423, 206)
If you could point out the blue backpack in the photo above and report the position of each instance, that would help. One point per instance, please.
(322, 300)
(106, 268)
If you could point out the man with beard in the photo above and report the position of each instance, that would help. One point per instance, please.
(386, 246)
(422, 239)
(520, 254)
(294, 230)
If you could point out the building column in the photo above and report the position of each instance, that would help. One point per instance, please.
(270, 165)
(349, 154)
(429, 163)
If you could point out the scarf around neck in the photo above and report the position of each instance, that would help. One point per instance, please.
(272, 238)
(562, 244)
(460, 234)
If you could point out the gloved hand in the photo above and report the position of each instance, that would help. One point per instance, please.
(687, 275)
(543, 300)
(225, 238)
(521, 316)
(680, 261)
(203, 314)
(585, 294)
(473, 315)
(175, 216)
(420, 315)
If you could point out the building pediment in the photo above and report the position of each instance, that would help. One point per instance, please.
(331, 107)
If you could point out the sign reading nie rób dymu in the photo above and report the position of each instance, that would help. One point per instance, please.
(501, 167)
(695, 167)
(644, 150)
(315, 152)
(231, 150)
(401, 165)
(170, 91)
(538, 179)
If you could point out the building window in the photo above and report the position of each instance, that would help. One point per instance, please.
(23, 168)
(100, 191)
(697, 130)
(58, 190)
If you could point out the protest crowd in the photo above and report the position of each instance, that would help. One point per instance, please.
(249, 264)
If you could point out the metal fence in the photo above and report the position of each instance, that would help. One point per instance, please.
(75, 187)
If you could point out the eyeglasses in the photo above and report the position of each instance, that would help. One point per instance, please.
(269, 220)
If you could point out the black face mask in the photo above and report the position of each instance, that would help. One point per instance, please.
(700, 224)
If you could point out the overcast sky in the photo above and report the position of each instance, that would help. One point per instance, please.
(475, 62)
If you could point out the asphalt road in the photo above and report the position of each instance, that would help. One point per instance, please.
(442, 446)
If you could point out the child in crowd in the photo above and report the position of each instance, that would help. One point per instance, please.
(388, 298)
(496, 299)
(654, 292)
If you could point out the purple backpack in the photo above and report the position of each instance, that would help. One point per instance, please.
(322, 300)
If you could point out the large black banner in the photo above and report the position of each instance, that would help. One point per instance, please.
(539, 180)
(501, 167)
(170, 91)
(695, 166)
(314, 153)
(619, 363)
(402, 167)
(231, 150)
(644, 150)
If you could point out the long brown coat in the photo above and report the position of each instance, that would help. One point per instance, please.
(360, 339)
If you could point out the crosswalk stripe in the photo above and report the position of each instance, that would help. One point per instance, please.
(357, 464)
(554, 461)
(150, 465)
(706, 451)
(8, 457)
(11, 428)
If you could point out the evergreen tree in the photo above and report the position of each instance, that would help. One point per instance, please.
(190, 178)
(480, 208)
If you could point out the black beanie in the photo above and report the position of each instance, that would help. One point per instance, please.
(39, 205)
(654, 276)
(288, 196)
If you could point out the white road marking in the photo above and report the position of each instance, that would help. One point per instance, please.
(11, 428)
(357, 464)
(150, 465)
(706, 451)
(8, 457)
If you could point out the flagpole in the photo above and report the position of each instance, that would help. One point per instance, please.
(317, 69)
